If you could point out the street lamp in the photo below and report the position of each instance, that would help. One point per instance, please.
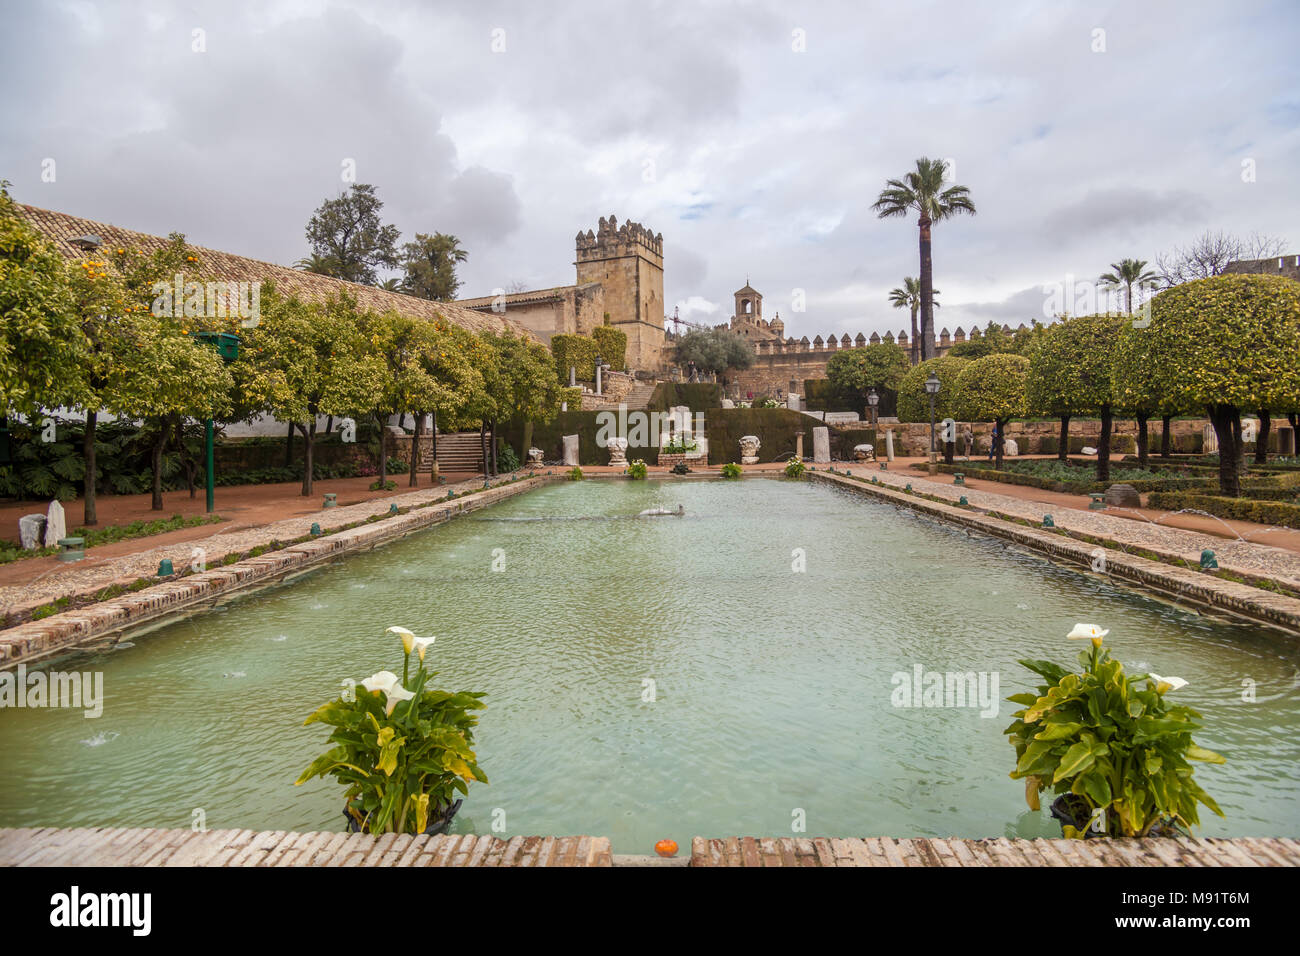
(932, 389)
(872, 401)
(227, 346)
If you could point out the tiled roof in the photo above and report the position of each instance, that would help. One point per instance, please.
(308, 286)
(554, 294)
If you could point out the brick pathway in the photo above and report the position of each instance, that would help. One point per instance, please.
(1242, 556)
(145, 847)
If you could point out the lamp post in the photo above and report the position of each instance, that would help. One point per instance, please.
(872, 401)
(932, 389)
(227, 346)
(598, 364)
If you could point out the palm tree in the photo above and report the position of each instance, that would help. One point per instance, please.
(1128, 273)
(922, 190)
(908, 296)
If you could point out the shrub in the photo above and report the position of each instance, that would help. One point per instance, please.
(731, 470)
(377, 485)
(611, 344)
(575, 474)
(914, 402)
(507, 460)
(396, 466)
(577, 351)
(1111, 747)
(637, 470)
(1279, 513)
(794, 467)
(402, 750)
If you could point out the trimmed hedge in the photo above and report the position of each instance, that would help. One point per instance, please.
(1119, 444)
(611, 344)
(1081, 487)
(577, 351)
(697, 396)
(1276, 513)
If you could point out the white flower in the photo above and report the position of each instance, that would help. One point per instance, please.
(384, 681)
(1167, 683)
(1089, 632)
(422, 644)
(406, 636)
(395, 695)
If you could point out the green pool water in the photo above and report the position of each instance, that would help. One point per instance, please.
(772, 686)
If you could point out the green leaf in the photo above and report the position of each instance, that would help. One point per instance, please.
(1077, 759)
(1200, 753)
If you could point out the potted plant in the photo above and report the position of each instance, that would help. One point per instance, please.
(1111, 746)
(731, 470)
(637, 470)
(794, 468)
(402, 750)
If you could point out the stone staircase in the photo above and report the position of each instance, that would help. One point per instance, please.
(635, 400)
(457, 452)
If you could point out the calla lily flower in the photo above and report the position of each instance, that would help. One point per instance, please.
(1166, 683)
(1087, 631)
(395, 695)
(406, 636)
(384, 681)
(421, 645)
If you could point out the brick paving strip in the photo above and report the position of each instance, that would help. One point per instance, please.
(61, 632)
(1187, 583)
(114, 846)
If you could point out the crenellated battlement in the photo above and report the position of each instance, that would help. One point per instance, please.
(612, 240)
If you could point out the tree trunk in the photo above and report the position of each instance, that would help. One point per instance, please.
(1294, 419)
(433, 442)
(999, 437)
(1223, 417)
(948, 451)
(1166, 440)
(383, 449)
(927, 292)
(288, 448)
(155, 464)
(492, 445)
(1063, 451)
(916, 344)
(482, 447)
(414, 481)
(88, 452)
(309, 440)
(1238, 444)
(187, 460)
(329, 424)
(1143, 440)
(1261, 442)
(1103, 445)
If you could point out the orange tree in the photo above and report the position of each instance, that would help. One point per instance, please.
(914, 401)
(992, 389)
(1223, 344)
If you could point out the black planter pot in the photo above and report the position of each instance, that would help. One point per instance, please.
(438, 824)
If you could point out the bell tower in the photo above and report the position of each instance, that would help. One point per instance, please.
(749, 304)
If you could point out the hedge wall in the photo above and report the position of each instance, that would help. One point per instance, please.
(1081, 487)
(699, 396)
(820, 396)
(1285, 515)
(577, 351)
(777, 429)
(549, 438)
(1119, 444)
(611, 345)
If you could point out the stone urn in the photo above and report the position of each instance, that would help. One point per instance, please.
(864, 452)
(749, 446)
(618, 451)
(534, 456)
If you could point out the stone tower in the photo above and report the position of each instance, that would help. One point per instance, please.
(749, 303)
(628, 262)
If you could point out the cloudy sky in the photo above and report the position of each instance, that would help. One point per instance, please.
(754, 136)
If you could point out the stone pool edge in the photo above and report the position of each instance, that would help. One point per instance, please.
(70, 629)
(1239, 600)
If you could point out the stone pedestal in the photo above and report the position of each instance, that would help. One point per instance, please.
(1123, 496)
(570, 444)
(749, 446)
(31, 531)
(618, 451)
(821, 445)
(56, 525)
(535, 456)
(889, 444)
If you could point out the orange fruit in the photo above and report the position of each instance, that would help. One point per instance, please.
(666, 847)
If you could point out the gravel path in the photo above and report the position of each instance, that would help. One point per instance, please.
(1235, 555)
(93, 573)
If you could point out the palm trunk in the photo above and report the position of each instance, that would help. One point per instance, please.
(1166, 440)
(1142, 439)
(1063, 451)
(1103, 445)
(1223, 418)
(916, 345)
(927, 291)
(88, 452)
(1261, 443)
